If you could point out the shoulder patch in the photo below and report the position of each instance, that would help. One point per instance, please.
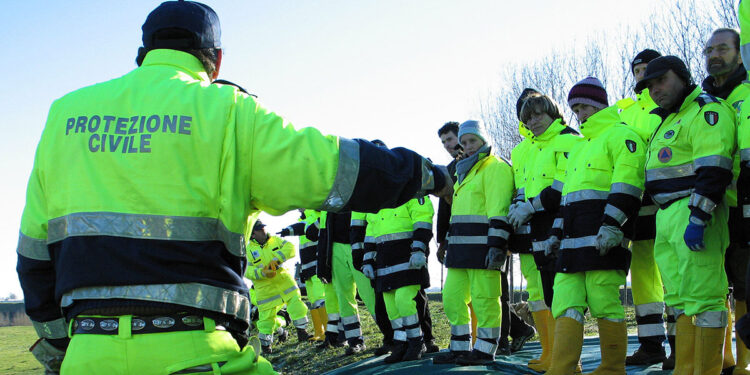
(568, 130)
(631, 145)
(711, 117)
(705, 98)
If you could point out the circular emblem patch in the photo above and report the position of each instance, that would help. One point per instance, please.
(669, 134)
(665, 154)
(163, 322)
(108, 325)
(88, 324)
(192, 320)
(138, 324)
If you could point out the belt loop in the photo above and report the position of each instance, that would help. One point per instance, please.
(125, 327)
(209, 325)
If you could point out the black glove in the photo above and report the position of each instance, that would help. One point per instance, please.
(284, 232)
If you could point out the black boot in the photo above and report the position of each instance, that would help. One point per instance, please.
(641, 357)
(266, 349)
(476, 358)
(415, 349)
(448, 358)
(355, 347)
(397, 354)
(385, 349)
(518, 342)
(329, 341)
(302, 335)
(668, 363)
(431, 347)
(503, 347)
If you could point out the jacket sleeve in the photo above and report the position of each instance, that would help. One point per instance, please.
(357, 230)
(743, 181)
(331, 173)
(498, 190)
(370, 248)
(713, 147)
(297, 229)
(312, 230)
(628, 157)
(443, 220)
(421, 213)
(285, 250)
(36, 271)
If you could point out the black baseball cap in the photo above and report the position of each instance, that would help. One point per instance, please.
(660, 66)
(199, 20)
(644, 57)
(258, 225)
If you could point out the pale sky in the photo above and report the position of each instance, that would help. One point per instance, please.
(394, 70)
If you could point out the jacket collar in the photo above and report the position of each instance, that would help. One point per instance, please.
(182, 61)
(464, 166)
(600, 121)
(735, 79)
(552, 130)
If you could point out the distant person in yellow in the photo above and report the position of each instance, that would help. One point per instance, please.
(274, 285)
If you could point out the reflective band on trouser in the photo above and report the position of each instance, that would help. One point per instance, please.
(346, 176)
(533, 278)
(269, 300)
(649, 309)
(351, 326)
(32, 248)
(398, 329)
(333, 323)
(301, 323)
(150, 227)
(411, 326)
(196, 295)
(599, 290)
(460, 338)
(265, 339)
(536, 306)
(487, 340)
(671, 321)
(711, 319)
(573, 314)
(650, 330)
(54, 329)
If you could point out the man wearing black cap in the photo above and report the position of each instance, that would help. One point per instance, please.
(725, 81)
(645, 281)
(132, 237)
(688, 167)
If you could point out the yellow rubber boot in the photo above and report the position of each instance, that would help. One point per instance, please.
(473, 324)
(566, 351)
(684, 346)
(743, 353)
(541, 322)
(709, 350)
(728, 356)
(319, 318)
(613, 342)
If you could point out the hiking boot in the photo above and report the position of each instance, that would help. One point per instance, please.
(449, 357)
(383, 350)
(668, 364)
(519, 342)
(355, 349)
(397, 353)
(302, 335)
(503, 347)
(643, 358)
(414, 350)
(431, 347)
(475, 358)
(330, 341)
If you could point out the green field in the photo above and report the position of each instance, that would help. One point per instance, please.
(290, 357)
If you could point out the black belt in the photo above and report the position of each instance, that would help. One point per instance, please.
(139, 324)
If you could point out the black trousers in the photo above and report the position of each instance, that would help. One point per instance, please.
(423, 311)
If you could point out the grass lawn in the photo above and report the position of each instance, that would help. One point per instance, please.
(290, 357)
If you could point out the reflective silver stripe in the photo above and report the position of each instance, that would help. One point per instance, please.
(471, 219)
(283, 257)
(351, 319)
(290, 289)
(537, 204)
(301, 323)
(663, 198)
(494, 232)
(334, 316)
(410, 320)
(418, 245)
(614, 320)
(358, 246)
(746, 210)
(524, 229)
(573, 314)
(319, 303)
(307, 244)
(352, 333)
(537, 246)
(558, 223)
(713, 161)
(623, 188)
(393, 269)
(615, 213)
(394, 237)
(649, 309)
(268, 300)
(422, 225)
(139, 226)
(703, 203)
(399, 335)
(745, 154)
(467, 240)
(521, 193)
(414, 332)
(677, 313)
(258, 273)
(711, 319)
(460, 346)
(504, 219)
(648, 210)
(369, 255)
(369, 239)
(485, 347)
(557, 185)
(397, 324)
(358, 223)
(583, 195)
(346, 176)
(671, 329)
(575, 243)
(488, 333)
(462, 330)
(648, 330)
(428, 179)
(32, 248)
(666, 173)
(536, 306)
(196, 295)
(53, 329)
(310, 265)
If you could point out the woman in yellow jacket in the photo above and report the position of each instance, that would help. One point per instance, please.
(477, 242)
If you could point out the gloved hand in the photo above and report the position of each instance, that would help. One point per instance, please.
(48, 355)
(694, 234)
(520, 213)
(608, 237)
(442, 248)
(368, 271)
(495, 259)
(269, 271)
(417, 260)
(284, 232)
(551, 245)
